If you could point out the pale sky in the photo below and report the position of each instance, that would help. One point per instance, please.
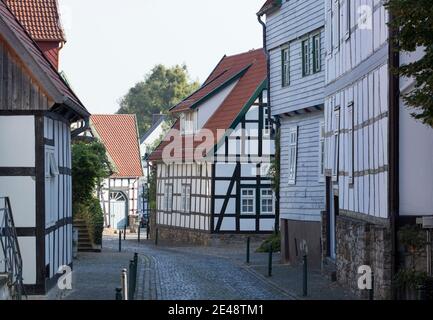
(112, 44)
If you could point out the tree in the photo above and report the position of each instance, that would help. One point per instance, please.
(413, 19)
(89, 166)
(161, 89)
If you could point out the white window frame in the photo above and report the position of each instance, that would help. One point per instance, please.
(186, 198)
(168, 197)
(267, 197)
(188, 123)
(348, 19)
(336, 165)
(336, 25)
(317, 52)
(306, 56)
(322, 151)
(267, 123)
(248, 197)
(293, 155)
(329, 30)
(51, 179)
(285, 66)
(351, 141)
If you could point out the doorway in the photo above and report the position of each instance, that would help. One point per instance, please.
(119, 210)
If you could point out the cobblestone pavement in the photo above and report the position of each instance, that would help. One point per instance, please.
(183, 273)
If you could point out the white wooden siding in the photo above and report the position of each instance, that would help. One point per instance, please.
(303, 91)
(304, 200)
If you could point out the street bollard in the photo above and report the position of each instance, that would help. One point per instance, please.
(139, 233)
(248, 249)
(124, 282)
(305, 276)
(118, 293)
(120, 241)
(371, 296)
(131, 283)
(136, 258)
(147, 231)
(270, 261)
(156, 236)
(124, 232)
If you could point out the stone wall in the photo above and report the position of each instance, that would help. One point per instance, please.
(173, 235)
(364, 243)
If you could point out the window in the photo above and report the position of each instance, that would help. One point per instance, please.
(168, 198)
(267, 121)
(293, 154)
(336, 26)
(311, 55)
(336, 143)
(248, 202)
(51, 167)
(317, 54)
(285, 67)
(322, 152)
(351, 141)
(186, 198)
(329, 30)
(188, 123)
(306, 57)
(348, 19)
(267, 199)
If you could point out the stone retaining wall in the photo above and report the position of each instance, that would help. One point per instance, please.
(362, 243)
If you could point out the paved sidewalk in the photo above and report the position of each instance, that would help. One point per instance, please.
(97, 275)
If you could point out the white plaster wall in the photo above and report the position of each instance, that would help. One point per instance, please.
(28, 253)
(207, 109)
(17, 141)
(21, 191)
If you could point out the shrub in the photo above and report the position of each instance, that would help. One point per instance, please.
(273, 242)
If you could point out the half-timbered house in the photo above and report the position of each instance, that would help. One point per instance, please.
(36, 111)
(119, 193)
(361, 143)
(294, 38)
(212, 166)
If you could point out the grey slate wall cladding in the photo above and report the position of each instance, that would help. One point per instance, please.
(290, 25)
(306, 199)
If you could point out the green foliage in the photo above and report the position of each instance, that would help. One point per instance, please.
(413, 236)
(161, 89)
(273, 242)
(89, 166)
(410, 279)
(414, 21)
(152, 189)
(91, 212)
(274, 170)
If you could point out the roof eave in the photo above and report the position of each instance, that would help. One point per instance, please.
(270, 8)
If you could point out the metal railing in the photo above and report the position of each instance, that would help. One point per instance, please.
(11, 262)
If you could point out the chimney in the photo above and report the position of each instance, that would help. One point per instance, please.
(41, 19)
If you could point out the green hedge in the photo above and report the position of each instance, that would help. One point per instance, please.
(273, 242)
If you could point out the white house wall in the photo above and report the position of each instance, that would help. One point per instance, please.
(58, 195)
(416, 154)
(357, 72)
(208, 108)
(198, 175)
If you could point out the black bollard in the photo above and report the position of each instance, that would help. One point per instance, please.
(139, 232)
(270, 261)
(124, 233)
(120, 241)
(305, 276)
(119, 294)
(248, 249)
(132, 279)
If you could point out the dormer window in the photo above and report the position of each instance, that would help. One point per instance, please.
(188, 123)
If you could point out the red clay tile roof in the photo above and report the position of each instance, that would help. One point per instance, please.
(39, 17)
(119, 134)
(67, 96)
(254, 63)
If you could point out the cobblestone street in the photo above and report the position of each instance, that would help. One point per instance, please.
(168, 273)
